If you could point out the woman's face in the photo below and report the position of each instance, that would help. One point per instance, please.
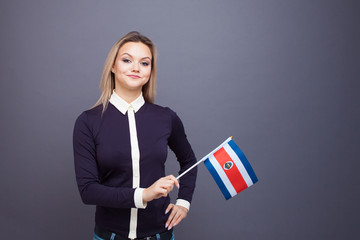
(132, 67)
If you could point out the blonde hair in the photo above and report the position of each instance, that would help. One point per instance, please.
(107, 83)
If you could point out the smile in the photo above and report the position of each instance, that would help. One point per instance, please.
(134, 76)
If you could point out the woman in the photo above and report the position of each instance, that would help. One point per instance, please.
(120, 148)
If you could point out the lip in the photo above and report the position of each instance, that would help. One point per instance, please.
(134, 76)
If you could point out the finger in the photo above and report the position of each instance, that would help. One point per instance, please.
(167, 186)
(161, 192)
(172, 179)
(181, 213)
(171, 187)
(176, 182)
(169, 208)
(175, 219)
(170, 218)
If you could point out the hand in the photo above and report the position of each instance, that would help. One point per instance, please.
(160, 188)
(178, 213)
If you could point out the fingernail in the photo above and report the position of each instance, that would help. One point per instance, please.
(166, 225)
(169, 228)
(166, 211)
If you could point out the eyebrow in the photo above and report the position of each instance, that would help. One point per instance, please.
(132, 56)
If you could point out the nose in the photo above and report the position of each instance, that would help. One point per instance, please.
(136, 67)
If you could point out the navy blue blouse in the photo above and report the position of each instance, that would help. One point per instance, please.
(103, 164)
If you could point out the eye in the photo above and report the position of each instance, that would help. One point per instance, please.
(125, 60)
(145, 64)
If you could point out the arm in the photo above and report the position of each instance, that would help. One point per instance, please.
(86, 170)
(179, 144)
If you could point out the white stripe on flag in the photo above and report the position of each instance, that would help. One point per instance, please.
(238, 164)
(222, 175)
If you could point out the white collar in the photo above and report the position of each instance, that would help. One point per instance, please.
(123, 106)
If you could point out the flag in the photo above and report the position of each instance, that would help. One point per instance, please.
(230, 169)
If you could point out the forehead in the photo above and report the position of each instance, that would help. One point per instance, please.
(135, 49)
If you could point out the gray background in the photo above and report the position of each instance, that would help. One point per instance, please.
(281, 76)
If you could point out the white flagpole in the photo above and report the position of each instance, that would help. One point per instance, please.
(204, 158)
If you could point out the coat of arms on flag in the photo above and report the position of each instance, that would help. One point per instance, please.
(229, 167)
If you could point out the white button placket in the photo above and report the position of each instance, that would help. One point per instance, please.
(135, 155)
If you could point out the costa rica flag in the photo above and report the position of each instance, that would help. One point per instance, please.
(230, 169)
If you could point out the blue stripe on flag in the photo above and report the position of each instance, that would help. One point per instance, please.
(217, 179)
(244, 161)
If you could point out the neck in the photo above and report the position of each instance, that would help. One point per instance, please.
(128, 96)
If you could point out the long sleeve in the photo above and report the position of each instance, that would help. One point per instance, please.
(104, 164)
(86, 170)
(179, 144)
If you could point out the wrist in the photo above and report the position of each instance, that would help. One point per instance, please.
(145, 195)
(183, 203)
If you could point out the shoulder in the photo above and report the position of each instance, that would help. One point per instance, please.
(167, 114)
(160, 110)
(89, 117)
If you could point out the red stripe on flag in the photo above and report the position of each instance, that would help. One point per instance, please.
(233, 173)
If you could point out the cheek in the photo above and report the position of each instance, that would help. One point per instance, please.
(147, 72)
(120, 68)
